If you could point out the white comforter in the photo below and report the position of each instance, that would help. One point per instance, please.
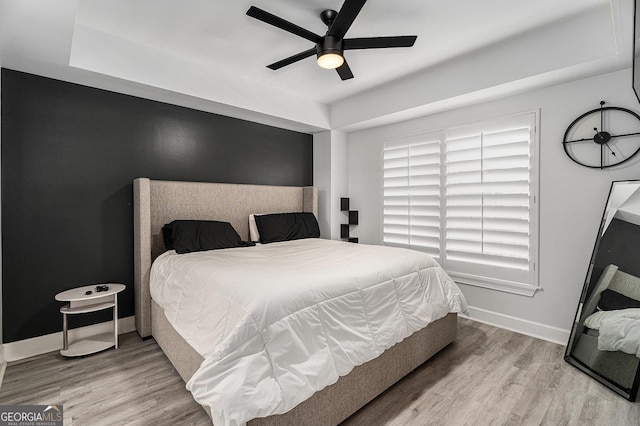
(617, 330)
(278, 322)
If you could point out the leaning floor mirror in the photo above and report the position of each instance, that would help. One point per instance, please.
(605, 338)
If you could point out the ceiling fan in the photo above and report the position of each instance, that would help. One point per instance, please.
(330, 47)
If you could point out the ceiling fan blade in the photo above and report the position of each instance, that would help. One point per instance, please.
(378, 42)
(345, 18)
(285, 25)
(344, 71)
(291, 59)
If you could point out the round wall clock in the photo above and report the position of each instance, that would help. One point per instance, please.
(603, 137)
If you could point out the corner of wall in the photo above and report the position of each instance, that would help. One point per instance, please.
(322, 179)
(331, 177)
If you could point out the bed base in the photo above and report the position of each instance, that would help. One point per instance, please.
(337, 402)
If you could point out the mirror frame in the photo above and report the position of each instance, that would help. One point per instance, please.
(631, 394)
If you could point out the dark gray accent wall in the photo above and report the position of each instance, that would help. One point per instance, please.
(69, 155)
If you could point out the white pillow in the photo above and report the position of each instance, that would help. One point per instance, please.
(254, 235)
(597, 319)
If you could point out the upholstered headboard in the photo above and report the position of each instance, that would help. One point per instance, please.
(159, 202)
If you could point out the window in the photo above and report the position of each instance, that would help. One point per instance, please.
(412, 194)
(467, 197)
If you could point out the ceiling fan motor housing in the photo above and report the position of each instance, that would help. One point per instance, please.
(330, 44)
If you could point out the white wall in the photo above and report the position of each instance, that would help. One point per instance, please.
(322, 180)
(571, 197)
(330, 156)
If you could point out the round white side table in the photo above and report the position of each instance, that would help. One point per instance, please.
(83, 300)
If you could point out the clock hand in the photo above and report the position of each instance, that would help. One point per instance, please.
(612, 153)
(605, 143)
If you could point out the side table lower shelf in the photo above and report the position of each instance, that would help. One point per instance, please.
(89, 345)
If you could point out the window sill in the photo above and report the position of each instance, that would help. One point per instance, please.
(499, 285)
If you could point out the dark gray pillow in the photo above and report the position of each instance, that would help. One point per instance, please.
(287, 226)
(186, 236)
(611, 300)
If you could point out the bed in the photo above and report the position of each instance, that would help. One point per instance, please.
(160, 202)
(608, 337)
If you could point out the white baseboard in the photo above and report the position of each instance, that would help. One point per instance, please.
(52, 342)
(519, 325)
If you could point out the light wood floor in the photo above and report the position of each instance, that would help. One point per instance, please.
(489, 376)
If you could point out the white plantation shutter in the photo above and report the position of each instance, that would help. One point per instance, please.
(489, 200)
(411, 182)
(466, 196)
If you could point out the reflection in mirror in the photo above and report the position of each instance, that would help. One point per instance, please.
(605, 339)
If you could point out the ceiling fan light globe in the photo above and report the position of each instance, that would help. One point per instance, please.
(330, 61)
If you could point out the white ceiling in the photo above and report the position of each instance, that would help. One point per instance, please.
(208, 54)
